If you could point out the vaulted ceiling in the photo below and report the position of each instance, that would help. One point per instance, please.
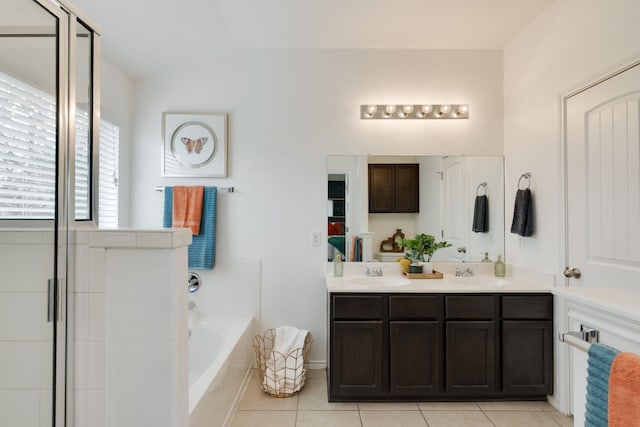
(143, 37)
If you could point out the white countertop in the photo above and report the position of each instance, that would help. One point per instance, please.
(620, 301)
(448, 284)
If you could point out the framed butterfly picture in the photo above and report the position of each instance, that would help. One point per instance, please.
(195, 144)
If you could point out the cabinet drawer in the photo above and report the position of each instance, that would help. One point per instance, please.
(357, 307)
(527, 306)
(470, 307)
(413, 307)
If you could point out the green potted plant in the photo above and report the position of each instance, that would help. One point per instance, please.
(420, 247)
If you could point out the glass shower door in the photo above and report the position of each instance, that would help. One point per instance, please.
(33, 221)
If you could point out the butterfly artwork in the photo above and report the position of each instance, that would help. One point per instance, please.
(194, 145)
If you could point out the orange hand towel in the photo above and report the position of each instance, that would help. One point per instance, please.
(187, 208)
(624, 391)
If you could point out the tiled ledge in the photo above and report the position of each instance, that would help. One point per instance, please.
(163, 238)
(132, 238)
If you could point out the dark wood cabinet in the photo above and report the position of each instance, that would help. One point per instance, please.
(470, 347)
(527, 344)
(415, 357)
(437, 346)
(471, 358)
(357, 358)
(358, 361)
(394, 188)
(415, 345)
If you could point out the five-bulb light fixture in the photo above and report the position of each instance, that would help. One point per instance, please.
(408, 111)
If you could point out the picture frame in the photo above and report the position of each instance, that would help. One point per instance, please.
(194, 144)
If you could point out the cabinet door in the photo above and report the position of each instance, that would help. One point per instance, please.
(415, 355)
(527, 357)
(471, 358)
(381, 188)
(407, 188)
(357, 363)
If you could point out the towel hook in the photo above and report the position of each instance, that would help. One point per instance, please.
(527, 176)
(482, 185)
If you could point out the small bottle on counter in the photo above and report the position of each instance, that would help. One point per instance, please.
(486, 257)
(499, 267)
(338, 266)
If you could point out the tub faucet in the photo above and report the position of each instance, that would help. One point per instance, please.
(373, 272)
(464, 271)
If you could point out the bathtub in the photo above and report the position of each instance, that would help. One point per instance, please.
(220, 359)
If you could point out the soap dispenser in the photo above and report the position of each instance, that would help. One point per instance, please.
(499, 267)
(338, 266)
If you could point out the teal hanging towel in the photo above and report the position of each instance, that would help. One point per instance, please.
(202, 251)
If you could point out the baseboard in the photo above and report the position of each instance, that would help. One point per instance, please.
(317, 364)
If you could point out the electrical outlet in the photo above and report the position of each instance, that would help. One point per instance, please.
(315, 238)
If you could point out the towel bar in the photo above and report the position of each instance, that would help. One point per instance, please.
(581, 339)
(227, 189)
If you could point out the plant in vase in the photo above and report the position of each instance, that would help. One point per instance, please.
(420, 247)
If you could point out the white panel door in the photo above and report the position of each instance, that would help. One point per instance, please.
(455, 210)
(603, 182)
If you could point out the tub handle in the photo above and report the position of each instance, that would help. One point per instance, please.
(193, 282)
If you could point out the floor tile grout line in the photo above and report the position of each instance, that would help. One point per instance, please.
(487, 416)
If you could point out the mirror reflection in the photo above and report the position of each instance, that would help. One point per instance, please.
(373, 199)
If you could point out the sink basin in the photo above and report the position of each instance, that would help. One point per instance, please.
(379, 281)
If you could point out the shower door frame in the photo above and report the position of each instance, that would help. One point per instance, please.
(64, 223)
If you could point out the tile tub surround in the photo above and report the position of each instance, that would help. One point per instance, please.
(125, 278)
(310, 408)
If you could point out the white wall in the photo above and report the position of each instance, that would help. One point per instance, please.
(289, 109)
(570, 43)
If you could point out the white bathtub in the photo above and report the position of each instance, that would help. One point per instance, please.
(220, 356)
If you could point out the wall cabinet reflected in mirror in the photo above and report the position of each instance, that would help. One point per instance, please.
(447, 188)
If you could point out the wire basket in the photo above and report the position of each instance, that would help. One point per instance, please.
(281, 375)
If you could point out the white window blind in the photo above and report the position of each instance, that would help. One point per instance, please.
(27, 151)
(109, 153)
(28, 157)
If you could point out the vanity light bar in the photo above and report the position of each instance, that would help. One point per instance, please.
(416, 111)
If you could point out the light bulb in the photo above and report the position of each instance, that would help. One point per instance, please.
(444, 109)
(407, 109)
(390, 109)
(371, 109)
(462, 110)
(426, 109)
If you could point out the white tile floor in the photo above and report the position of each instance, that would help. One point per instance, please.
(310, 408)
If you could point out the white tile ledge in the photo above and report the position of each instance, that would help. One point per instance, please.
(164, 238)
(620, 302)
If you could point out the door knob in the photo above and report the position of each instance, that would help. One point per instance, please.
(462, 250)
(572, 272)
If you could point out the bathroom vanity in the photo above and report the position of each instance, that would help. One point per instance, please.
(453, 339)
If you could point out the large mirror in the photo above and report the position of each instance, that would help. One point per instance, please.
(459, 199)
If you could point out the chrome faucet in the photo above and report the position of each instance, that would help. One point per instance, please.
(373, 272)
(464, 271)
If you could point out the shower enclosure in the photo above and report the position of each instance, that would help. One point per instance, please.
(48, 148)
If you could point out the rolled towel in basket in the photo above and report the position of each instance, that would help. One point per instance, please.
(285, 364)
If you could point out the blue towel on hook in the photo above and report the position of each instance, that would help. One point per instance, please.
(599, 366)
(202, 251)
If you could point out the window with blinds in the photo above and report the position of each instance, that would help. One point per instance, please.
(28, 157)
